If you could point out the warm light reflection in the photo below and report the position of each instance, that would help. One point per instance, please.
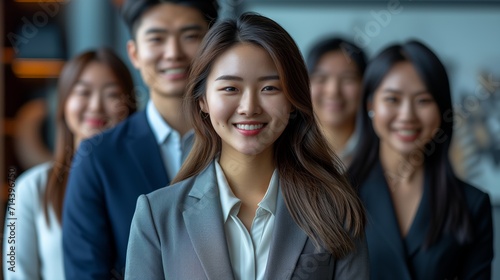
(8, 55)
(37, 68)
(39, 1)
(118, 3)
(9, 128)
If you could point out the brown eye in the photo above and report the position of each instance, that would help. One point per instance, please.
(230, 89)
(319, 79)
(82, 92)
(192, 36)
(425, 101)
(112, 94)
(154, 39)
(269, 88)
(390, 99)
(350, 79)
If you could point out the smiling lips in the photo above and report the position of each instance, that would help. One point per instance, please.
(407, 135)
(174, 73)
(333, 105)
(96, 123)
(249, 129)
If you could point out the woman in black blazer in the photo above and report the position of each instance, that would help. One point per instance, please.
(423, 222)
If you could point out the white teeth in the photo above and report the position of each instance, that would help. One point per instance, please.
(249, 126)
(174, 71)
(407, 132)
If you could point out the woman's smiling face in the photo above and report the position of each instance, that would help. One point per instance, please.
(245, 100)
(406, 116)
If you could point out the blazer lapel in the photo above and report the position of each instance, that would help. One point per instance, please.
(382, 223)
(287, 244)
(205, 226)
(144, 150)
(418, 230)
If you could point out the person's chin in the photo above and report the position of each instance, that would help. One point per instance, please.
(172, 94)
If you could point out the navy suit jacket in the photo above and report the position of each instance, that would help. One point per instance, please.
(108, 173)
(394, 257)
(178, 233)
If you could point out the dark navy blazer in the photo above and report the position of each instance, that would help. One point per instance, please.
(108, 173)
(395, 257)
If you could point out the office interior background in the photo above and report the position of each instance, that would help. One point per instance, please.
(38, 36)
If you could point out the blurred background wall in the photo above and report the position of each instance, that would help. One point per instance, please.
(38, 36)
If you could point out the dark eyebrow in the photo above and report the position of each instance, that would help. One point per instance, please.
(267, 78)
(229, 78)
(86, 84)
(192, 27)
(390, 90)
(350, 73)
(154, 30)
(236, 78)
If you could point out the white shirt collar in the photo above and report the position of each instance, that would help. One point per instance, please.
(231, 204)
(160, 127)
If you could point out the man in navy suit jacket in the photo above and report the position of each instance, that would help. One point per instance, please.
(143, 153)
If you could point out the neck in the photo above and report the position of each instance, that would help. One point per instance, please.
(338, 136)
(170, 109)
(401, 169)
(248, 176)
(76, 142)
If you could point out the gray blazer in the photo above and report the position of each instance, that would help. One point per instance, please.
(178, 233)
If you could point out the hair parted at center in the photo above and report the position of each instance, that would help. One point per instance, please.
(64, 149)
(312, 178)
(447, 198)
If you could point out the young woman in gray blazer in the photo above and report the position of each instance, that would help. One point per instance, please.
(259, 196)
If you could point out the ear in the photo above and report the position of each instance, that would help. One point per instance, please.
(369, 106)
(203, 105)
(132, 53)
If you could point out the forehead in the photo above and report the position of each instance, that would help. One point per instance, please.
(404, 76)
(169, 16)
(96, 71)
(336, 60)
(244, 59)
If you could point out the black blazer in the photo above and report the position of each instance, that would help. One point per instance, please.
(394, 257)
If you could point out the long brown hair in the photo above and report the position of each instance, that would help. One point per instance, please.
(314, 187)
(64, 150)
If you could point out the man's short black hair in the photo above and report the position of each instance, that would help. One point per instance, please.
(132, 10)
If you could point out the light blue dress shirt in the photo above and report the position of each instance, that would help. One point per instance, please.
(174, 149)
(248, 251)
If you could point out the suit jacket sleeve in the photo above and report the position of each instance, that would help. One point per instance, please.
(356, 264)
(87, 244)
(477, 263)
(144, 259)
